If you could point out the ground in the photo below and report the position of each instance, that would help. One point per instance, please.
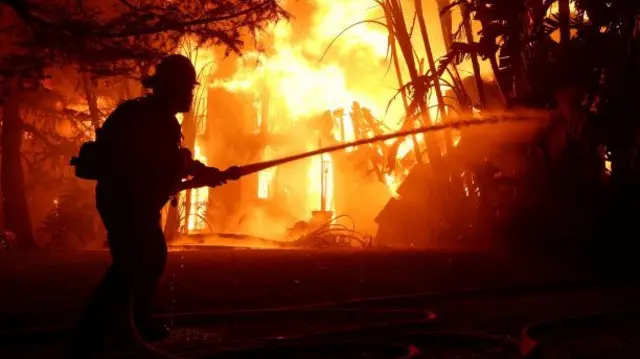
(48, 290)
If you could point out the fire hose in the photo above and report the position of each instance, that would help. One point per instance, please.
(211, 176)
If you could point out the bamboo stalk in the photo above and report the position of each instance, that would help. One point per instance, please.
(403, 94)
(564, 15)
(492, 60)
(404, 42)
(432, 65)
(446, 23)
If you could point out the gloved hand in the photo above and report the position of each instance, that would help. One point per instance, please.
(233, 173)
(207, 177)
(211, 176)
(190, 166)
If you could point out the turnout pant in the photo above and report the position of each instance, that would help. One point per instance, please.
(139, 254)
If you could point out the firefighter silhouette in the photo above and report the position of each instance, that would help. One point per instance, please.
(141, 164)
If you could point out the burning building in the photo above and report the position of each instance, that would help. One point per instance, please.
(277, 100)
(252, 126)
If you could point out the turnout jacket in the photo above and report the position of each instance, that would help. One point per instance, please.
(142, 157)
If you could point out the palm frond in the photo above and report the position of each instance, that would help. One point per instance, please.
(454, 4)
(373, 21)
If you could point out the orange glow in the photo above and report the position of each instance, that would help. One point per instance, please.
(305, 87)
(265, 178)
(343, 130)
(320, 178)
(204, 62)
(405, 147)
(456, 137)
(288, 88)
(104, 104)
(199, 201)
(554, 9)
(393, 184)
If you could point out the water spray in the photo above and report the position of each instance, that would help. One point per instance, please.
(241, 171)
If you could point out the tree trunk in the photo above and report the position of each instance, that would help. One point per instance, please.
(92, 101)
(16, 208)
(564, 15)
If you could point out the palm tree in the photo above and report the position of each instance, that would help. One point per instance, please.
(586, 73)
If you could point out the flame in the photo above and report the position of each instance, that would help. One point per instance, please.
(331, 18)
(199, 200)
(320, 177)
(284, 75)
(456, 137)
(204, 62)
(291, 68)
(265, 178)
(405, 147)
(344, 131)
(304, 88)
(393, 183)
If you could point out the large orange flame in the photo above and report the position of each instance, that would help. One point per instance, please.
(286, 65)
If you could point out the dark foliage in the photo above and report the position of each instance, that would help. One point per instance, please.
(7, 241)
(73, 221)
(585, 78)
(121, 36)
(52, 135)
(104, 38)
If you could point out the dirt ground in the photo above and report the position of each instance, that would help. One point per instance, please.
(204, 290)
(51, 287)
